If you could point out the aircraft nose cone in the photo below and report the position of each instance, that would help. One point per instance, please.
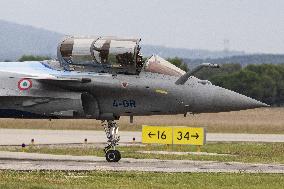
(227, 100)
(221, 100)
(236, 101)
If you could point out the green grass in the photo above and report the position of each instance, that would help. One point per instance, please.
(242, 152)
(96, 179)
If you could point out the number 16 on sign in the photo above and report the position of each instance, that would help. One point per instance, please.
(160, 135)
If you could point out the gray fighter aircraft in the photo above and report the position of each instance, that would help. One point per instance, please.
(104, 78)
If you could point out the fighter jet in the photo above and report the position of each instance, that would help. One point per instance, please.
(104, 78)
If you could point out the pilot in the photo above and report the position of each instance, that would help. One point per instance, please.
(104, 56)
(124, 59)
(104, 52)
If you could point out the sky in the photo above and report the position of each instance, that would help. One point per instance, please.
(249, 25)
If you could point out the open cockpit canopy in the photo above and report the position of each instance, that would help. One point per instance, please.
(108, 54)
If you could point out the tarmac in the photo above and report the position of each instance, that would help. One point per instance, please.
(32, 161)
(19, 136)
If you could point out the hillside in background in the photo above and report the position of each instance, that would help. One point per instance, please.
(242, 60)
(169, 52)
(17, 40)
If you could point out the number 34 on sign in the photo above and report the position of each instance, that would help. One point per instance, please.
(173, 135)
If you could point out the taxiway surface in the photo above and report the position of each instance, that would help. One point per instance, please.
(19, 136)
(33, 161)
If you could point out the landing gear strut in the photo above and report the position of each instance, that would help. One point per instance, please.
(111, 130)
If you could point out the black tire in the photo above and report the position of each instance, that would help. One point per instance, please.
(118, 155)
(113, 156)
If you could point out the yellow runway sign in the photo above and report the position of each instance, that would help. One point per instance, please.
(159, 135)
(188, 135)
(173, 135)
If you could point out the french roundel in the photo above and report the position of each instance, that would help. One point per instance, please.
(24, 84)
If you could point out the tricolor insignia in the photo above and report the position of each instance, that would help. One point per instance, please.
(24, 84)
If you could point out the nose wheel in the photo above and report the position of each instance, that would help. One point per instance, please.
(111, 130)
(113, 156)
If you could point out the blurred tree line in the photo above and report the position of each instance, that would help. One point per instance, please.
(264, 82)
(178, 62)
(30, 58)
(33, 58)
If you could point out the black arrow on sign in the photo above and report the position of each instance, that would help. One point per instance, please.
(150, 135)
(196, 136)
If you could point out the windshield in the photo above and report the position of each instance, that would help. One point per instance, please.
(156, 64)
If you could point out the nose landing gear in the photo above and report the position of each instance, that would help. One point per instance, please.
(111, 130)
(113, 156)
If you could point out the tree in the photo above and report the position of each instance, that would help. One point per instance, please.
(208, 74)
(33, 58)
(263, 82)
(178, 62)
